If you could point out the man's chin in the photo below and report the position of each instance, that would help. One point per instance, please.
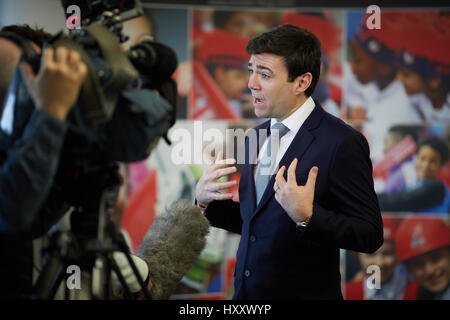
(260, 113)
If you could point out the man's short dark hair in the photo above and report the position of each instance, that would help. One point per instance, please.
(437, 144)
(299, 48)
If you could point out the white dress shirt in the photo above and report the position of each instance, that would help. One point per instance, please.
(293, 123)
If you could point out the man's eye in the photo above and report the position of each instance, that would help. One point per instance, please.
(265, 76)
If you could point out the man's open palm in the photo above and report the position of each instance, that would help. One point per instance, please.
(296, 200)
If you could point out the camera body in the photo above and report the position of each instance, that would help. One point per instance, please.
(113, 85)
(120, 114)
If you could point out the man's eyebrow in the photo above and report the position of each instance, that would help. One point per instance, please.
(260, 67)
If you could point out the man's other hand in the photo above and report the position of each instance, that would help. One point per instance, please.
(208, 188)
(296, 200)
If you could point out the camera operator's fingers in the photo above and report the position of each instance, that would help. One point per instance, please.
(47, 59)
(73, 58)
(77, 64)
(61, 55)
(80, 71)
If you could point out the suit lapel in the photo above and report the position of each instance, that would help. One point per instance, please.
(297, 148)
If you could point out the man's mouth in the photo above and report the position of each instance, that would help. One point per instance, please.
(257, 100)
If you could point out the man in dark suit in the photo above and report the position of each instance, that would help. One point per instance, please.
(292, 230)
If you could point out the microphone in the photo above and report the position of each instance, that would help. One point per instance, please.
(172, 246)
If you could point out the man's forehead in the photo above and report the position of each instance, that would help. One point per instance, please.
(266, 60)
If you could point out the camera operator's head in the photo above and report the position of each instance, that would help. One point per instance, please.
(55, 88)
(35, 36)
(9, 56)
(10, 52)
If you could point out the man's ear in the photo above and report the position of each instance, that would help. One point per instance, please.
(302, 83)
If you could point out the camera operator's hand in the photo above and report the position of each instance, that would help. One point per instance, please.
(56, 87)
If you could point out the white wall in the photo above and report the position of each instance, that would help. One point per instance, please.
(47, 14)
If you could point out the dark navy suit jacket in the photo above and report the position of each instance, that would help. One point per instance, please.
(275, 260)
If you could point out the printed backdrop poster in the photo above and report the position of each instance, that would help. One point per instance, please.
(219, 65)
(391, 83)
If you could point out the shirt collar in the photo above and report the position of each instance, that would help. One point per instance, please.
(298, 117)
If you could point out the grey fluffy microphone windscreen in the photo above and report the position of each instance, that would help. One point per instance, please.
(172, 246)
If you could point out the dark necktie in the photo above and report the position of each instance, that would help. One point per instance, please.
(268, 159)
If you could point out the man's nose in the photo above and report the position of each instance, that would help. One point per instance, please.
(253, 83)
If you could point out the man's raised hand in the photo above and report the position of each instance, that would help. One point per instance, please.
(296, 200)
(208, 189)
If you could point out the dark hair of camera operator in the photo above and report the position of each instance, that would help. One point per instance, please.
(36, 36)
(28, 166)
